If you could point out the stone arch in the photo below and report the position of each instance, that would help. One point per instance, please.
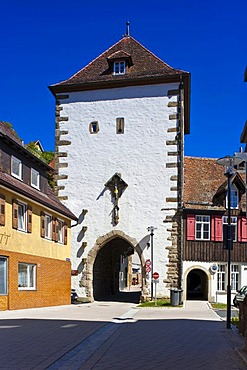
(202, 273)
(87, 278)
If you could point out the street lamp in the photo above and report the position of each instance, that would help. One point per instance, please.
(151, 230)
(243, 156)
(228, 162)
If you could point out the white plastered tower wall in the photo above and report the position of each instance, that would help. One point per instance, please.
(142, 155)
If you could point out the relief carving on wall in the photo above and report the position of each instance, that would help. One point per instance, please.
(116, 185)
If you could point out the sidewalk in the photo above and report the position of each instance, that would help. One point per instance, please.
(111, 335)
(193, 337)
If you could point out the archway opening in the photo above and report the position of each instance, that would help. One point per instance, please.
(112, 273)
(197, 285)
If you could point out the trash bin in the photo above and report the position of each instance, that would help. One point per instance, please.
(180, 291)
(174, 296)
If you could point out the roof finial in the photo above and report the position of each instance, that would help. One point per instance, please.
(127, 29)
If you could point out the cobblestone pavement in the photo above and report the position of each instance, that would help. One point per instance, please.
(36, 338)
(111, 335)
(193, 337)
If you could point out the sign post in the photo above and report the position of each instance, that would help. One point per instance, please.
(155, 279)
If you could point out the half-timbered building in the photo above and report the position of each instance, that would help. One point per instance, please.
(205, 214)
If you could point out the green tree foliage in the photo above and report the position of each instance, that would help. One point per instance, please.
(46, 156)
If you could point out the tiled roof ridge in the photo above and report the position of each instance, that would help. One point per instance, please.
(155, 56)
(9, 131)
(202, 158)
(87, 65)
(107, 51)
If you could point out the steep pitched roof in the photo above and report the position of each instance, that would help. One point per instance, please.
(204, 180)
(49, 199)
(145, 65)
(143, 68)
(7, 130)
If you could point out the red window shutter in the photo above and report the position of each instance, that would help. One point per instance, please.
(29, 219)
(218, 229)
(42, 224)
(15, 214)
(212, 227)
(65, 233)
(242, 229)
(190, 227)
(2, 210)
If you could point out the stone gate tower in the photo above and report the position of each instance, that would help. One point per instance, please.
(120, 125)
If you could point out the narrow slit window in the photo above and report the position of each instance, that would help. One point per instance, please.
(94, 127)
(120, 125)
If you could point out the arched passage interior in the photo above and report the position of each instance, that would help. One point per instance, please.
(111, 270)
(197, 285)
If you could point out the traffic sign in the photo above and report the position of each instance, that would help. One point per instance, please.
(148, 268)
(156, 275)
(148, 263)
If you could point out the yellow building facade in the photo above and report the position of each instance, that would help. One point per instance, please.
(35, 241)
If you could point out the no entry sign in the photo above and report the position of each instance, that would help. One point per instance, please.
(156, 275)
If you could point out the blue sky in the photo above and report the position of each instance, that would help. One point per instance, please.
(44, 42)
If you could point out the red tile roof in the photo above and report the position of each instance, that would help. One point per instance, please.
(10, 132)
(49, 199)
(203, 179)
(143, 68)
(145, 64)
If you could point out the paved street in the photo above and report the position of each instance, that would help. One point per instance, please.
(113, 335)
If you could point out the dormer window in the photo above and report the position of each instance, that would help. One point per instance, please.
(16, 167)
(34, 178)
(119, 68)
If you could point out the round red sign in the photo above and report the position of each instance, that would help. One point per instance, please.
(156, 275)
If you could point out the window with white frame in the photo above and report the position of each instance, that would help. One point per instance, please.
(221, 278)
(119, 68)
(234, 221)
(234, 198)
(3, 275)
(26, 276)
(60, 231)
(48, 226)
(234, 277)
(16, 167)
(202, 224)
(35, 178)
(22, 216)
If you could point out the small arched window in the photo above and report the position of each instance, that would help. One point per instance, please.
(94, 127)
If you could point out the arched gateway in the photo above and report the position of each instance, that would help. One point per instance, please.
(101, 276)
(197, 285)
